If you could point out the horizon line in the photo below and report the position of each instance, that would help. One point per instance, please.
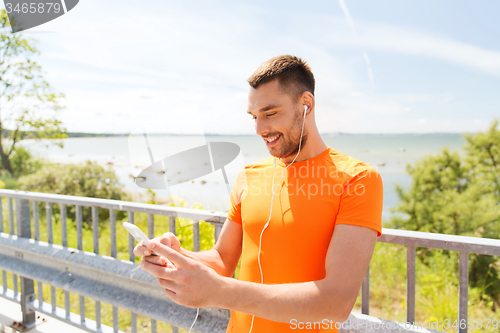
(246, 134)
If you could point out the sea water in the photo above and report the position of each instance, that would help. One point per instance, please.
(388, 153)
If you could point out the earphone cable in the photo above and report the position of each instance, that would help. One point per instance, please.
(197, 313)
(270, 212)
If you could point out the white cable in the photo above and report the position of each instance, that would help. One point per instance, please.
(197, 313)
(270, 212)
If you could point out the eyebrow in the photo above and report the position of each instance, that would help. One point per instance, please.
(267, 108)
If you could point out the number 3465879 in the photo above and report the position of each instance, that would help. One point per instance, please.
(33, 7)
(471, 323)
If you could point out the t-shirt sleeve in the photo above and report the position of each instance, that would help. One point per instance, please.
(238, 193)
(361, 202)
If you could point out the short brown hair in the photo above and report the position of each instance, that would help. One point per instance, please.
(293, 74)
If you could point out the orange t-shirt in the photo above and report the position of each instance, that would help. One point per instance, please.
(312, 197)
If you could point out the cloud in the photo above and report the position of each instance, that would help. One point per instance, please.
(365, 55)
(388, 38)
(347, 14)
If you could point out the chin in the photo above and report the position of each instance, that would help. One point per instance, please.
(278, 155)
(274, 153)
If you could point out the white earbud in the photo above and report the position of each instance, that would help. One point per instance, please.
(305, 110)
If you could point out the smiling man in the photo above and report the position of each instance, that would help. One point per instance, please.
(304, 222)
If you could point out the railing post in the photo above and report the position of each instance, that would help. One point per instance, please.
(171, 224)
(410, 283)
(95, 236)
(196, 235)
(36, 221)
(27, 286)
(64, 227)
(112, 232)
(463, 292)
(79, 227)
(95, 228)
(11, 217)
(151, 226)
(365, 293)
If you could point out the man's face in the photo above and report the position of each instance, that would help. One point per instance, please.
(278, 119)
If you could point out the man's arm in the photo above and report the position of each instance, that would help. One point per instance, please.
(331, 298)
(222, 258)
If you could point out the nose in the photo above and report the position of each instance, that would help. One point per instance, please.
(261, 126)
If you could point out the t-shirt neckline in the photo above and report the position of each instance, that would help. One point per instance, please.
(320, 155)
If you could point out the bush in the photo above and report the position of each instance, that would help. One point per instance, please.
(85, 180)
(23, 163)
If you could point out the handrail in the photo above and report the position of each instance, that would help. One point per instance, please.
(441, 241)
(137, 207)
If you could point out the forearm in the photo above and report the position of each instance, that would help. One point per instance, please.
(210, 258)
(308, 301)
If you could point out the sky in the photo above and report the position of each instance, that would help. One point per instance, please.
(181, 66)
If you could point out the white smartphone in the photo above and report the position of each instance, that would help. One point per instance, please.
(138, 235)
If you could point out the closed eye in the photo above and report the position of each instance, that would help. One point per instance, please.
(267, 115)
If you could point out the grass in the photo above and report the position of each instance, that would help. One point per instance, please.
(436, 282)
(436, 290)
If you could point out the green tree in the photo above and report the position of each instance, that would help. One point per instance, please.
(28, 105)
(458, 195)
(86, 180)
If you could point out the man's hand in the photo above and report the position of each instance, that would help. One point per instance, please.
(168, 239)
(186, 281)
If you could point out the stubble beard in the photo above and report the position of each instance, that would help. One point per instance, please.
(290, 144)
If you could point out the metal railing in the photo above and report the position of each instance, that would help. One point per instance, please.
(123, 285)
(102, 278)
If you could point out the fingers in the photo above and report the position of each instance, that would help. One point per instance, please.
(161, 272)
(171, 240)
(171, 289)
(141, 251)
(157, 260)
(167, 284)
(172, 255)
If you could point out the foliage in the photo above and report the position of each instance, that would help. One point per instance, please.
(184, 229)
(85, 180)
(28, 105)
(23, 163)
(9, 181)
(458, 195)
(152, 199)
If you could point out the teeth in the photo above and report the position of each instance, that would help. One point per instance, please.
(271, 140)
